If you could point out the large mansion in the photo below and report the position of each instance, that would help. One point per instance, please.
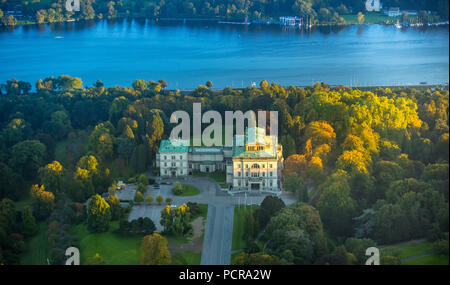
(253, 163)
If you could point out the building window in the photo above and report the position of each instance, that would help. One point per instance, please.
(173, 156)
(239, 182)
(264, 174)
(255, 166)
(239, 174)
(165, 157)
(270, 165)
(263, 166)
(271, 174)
(181, 157)
(173, 164)
(271, 183)
(165, 163)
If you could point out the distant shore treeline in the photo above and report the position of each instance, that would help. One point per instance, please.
(315, 11)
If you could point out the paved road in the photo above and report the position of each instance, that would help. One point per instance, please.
(218, 235)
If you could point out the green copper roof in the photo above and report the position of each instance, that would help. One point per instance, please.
(176, 146)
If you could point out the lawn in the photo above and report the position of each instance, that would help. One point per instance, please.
(432, 259)
(203, 212)
(186, 258)
(36, 248)
(119, 250)
(188, 190)
(113, 248)
(198, 174)
(238, 241)
(416, 248)
(369, 18)
(408, 250)
(218, 176)
(379, 18)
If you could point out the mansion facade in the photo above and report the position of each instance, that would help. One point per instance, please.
(253, 163)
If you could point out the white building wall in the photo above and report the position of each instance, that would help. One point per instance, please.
(171, 164)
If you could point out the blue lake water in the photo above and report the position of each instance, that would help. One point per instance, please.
(188, 54)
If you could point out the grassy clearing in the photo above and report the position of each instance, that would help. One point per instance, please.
(381, 18)
(407, 250)
(37, 248)
(113, 248)
(369, 18)
(186, 258)
(198, 174)
(203, 212)
(118, 250)
(188, 190)
(413, 249)
(218, 176)
(432, 259)
(238, 241)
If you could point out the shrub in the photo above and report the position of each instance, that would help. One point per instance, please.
(138, 197)
(178, 189)
(169, 200)
(141, 226)
(159, 199)
(141, 188)
(149, 199)
(143, 179)
(441, 247)
(390, 260)
(194, 208)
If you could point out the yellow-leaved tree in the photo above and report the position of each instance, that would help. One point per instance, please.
(154, 250)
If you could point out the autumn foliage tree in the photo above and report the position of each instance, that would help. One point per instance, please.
(154, 250)
(99, 214)
(176, 221)
(51, 176)
(43, 201)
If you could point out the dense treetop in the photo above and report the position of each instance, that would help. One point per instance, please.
(371, 163)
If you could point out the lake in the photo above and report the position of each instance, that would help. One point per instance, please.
(188, 54)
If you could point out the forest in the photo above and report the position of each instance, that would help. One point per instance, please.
(319, 11)
(377, 160)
